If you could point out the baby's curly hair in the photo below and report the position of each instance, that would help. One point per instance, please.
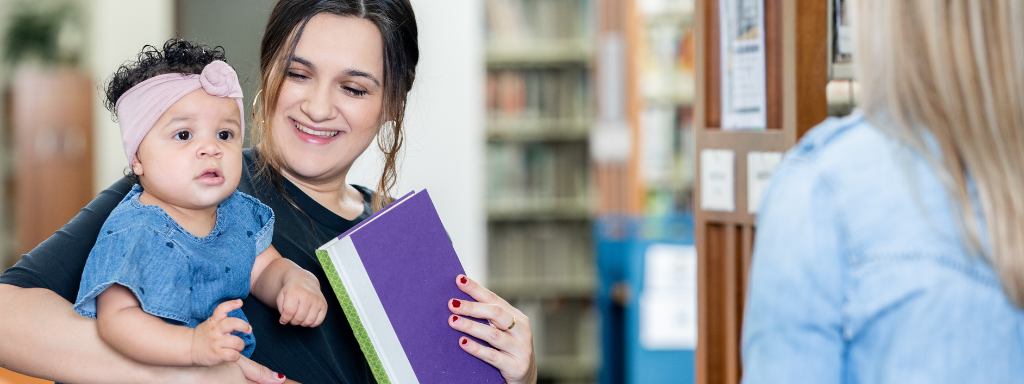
(177, 56)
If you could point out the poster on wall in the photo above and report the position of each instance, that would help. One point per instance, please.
(744, 94)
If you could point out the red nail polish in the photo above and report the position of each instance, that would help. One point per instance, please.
(463, 280)
(456, 303)
(279, 376)
(465, 341)
(455, 318)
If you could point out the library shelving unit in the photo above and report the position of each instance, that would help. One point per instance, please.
(796, 55)
(644, 198)
(539, 59)
(665, 77)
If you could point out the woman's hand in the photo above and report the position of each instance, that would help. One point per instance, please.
(510, 333)
(258, 374)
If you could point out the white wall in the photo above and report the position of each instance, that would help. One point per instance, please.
(117, 31)
(444, 147)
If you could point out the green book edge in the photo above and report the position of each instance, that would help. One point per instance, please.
(353, 318)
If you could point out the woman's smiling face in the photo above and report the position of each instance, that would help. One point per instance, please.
(329, 106)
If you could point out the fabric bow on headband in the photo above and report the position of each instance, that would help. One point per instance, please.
(140, 107)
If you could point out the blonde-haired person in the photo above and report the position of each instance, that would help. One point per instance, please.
(891, 243)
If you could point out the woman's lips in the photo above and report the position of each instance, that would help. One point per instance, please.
(314, 136)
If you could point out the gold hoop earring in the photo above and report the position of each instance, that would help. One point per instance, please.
(256, 101)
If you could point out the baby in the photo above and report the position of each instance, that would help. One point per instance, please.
(174, 259)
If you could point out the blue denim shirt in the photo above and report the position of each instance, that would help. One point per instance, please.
(859, 274)
(175, 275)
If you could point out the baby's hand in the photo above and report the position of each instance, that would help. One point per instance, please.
(300, 300)
(212, 341)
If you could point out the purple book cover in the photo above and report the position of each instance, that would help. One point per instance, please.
(412, 265)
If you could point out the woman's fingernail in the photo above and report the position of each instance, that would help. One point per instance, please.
(465, 341)
(455, 319)
(463, 280)
(279, 376)
(456, 303)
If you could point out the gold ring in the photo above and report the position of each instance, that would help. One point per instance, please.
(506, 329)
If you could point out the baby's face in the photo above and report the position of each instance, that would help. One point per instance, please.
(192, 158)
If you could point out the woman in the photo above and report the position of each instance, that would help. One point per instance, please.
(891, 248)
(335, 74)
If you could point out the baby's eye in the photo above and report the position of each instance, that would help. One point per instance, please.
(224, 135)
(183, 135)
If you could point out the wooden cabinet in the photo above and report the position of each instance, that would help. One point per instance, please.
(51, 115)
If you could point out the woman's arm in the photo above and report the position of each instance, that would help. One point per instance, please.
(45, 338)
(295, 292)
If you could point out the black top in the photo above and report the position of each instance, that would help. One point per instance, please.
(328, 353)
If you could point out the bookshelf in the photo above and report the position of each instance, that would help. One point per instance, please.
(539, 63)
(665, 77)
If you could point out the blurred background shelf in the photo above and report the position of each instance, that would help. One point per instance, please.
(538, 129)
(539, 53)
(539, 56)
(572, 287)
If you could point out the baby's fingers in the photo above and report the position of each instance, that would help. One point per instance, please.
(224, 308)
(233, 324)
(301, 313)
(231, 342)
(288, 307)
(315, 314)
(229, 354)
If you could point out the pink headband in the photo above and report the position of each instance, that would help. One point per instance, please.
(142, 105)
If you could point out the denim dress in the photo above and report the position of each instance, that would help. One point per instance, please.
(175, 275)
(859, 274)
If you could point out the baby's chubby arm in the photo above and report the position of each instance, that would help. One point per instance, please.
(295, 292)
(147, 339)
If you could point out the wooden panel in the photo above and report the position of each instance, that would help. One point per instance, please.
(710, 303)
(707, 35)
(808, 70)
(52, 116)
(773, 62)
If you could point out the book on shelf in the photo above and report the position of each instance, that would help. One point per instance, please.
(393, 274)
(531, 95)
(537, 176)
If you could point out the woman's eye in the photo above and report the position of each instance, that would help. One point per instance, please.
(297, 75)
(183, 135)
(356, 92)
(225, 135)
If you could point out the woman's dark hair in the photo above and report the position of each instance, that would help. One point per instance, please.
(397, 25)
(176, 56)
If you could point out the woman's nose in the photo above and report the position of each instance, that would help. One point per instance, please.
(319, 104)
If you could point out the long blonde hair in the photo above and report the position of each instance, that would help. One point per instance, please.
(955, 68)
